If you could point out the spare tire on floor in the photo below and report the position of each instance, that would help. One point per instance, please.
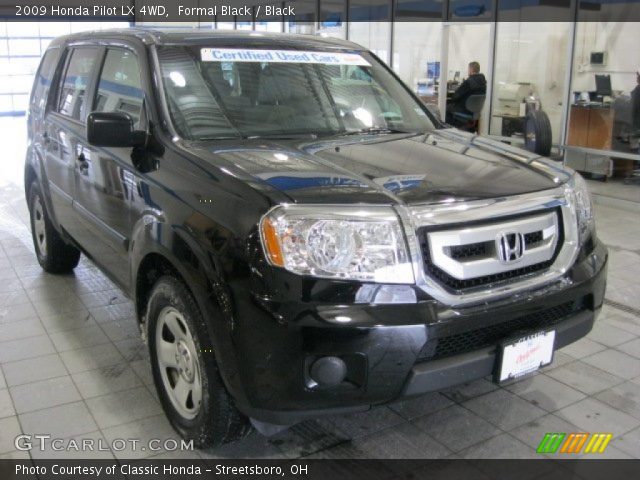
(537, 133)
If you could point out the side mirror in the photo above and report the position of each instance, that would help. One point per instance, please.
(113, 129)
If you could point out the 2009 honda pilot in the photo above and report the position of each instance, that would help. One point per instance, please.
(299, 234)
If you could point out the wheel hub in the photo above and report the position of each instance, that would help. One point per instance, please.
(184, 359)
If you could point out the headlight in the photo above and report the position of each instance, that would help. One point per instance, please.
(341, 242)
(584, 207)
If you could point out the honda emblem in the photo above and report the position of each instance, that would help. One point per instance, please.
(510, 247)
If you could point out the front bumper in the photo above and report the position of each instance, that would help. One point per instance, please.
(440, 374)
(387, 347)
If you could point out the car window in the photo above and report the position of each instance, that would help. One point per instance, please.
(221, 93)
(119, 87)
(76, 79)
(44, 77)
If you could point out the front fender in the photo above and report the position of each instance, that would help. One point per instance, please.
(178, 246)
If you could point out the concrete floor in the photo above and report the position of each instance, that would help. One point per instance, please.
(72, 365)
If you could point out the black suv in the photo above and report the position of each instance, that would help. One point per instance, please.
(299, 234)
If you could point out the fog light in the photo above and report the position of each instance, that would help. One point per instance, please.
(328, 371)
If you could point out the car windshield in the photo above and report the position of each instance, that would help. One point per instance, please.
(215, 93)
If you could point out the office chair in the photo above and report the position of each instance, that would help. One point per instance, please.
(634, 143)
(466, 121)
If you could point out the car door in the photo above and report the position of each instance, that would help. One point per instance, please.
(106, 176)
(63, 128)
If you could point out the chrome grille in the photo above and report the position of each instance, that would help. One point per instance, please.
(419, 219)
(454, 256)
(460, 285)
(483, 249)
(461, 252)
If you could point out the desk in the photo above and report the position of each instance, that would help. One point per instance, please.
(429, 99)
(433, 98)
(591, 126)
(511, 124)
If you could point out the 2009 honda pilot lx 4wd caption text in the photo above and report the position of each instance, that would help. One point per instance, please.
(299, 234)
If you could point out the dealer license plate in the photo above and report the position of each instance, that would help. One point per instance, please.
(526, 355)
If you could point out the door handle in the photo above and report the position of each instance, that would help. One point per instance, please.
(83, 164)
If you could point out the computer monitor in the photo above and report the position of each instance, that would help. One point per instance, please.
(433, 69)
(603, 85)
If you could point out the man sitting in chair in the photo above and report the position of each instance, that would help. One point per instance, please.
(635, 115)
(475, 84)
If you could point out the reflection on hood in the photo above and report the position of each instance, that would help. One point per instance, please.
(295, 181)
(396, 183)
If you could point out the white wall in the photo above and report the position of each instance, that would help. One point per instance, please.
(376, 36)
(415, 44)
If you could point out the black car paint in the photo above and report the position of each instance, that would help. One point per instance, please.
(360, 170)
(197, 205)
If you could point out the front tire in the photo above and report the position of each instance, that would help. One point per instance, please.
(185, 371)
(53, 253)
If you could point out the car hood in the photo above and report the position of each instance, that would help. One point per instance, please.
(441, 166)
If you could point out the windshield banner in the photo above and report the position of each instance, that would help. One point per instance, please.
(281, 56)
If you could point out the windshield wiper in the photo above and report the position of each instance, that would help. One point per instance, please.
(376, 130)
(282, 136)
(226, 137)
